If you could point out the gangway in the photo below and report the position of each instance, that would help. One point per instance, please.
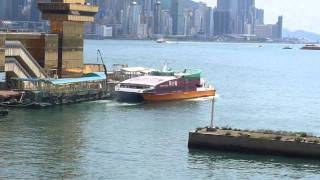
(12, 65)
(17, 51)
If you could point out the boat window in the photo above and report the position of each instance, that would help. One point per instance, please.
(134, 86)
(173, 83)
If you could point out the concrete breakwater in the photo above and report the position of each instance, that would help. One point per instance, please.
(286, 144)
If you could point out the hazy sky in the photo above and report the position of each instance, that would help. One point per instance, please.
(298, 14)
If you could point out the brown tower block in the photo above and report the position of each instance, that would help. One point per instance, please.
(67, 18)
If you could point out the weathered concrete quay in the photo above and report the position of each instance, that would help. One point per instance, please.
(264, 142)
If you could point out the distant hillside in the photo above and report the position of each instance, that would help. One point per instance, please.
(310, 36)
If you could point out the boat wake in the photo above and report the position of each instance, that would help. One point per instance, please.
(113, 103)
(203, 98)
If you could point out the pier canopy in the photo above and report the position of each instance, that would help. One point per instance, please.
(96, 76)
(91, 77)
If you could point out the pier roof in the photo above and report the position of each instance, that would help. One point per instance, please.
(95, 76)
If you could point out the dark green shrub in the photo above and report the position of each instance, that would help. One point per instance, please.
(298, 139)
(226, 128)
(278, 138)
(228, 134)
(303, 134)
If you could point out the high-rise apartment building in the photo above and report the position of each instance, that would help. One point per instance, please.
(125, 16)
(279, 27)
(166, 23)
(3, 4)
(157, 17)
(178, 20)
(221, 22)
(34, 11)
(246, 16)
(259, 16)
(231, 7)
(134, 18)
(15, 9)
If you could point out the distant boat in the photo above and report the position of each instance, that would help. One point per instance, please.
(260, 46)
(287, 47)
(161, 40)
(311, 47)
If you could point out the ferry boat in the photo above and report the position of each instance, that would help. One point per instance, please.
(311, 47)
(164, 86)
(161, 40)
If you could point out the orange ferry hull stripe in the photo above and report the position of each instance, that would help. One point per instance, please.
(178, 96)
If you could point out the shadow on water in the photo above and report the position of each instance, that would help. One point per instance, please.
(43, 143)
(205, 159)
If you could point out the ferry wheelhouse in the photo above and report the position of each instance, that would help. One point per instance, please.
(164, 86)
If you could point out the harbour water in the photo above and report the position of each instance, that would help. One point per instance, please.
(259, 88)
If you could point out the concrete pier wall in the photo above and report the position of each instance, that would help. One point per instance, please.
(252, 145)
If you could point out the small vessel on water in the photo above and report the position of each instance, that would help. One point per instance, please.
(161, 40)
(311, 47)
(164, 86)
(287, 47)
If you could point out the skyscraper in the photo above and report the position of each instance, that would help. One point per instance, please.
(157, 17)
(166, 23)
(246, 16)
(125, 16)
(134, 18)
(279, 27)
(200, 18)
(166, 4)
(259, 16)
(225, 5)
(209, 22)
(177, 13)
(14, 9)
(34, 11)
(3, 4)
(231, 7)
(221, 22)
(147, 14)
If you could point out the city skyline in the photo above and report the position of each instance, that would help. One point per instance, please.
(140, 19)
(290, 10)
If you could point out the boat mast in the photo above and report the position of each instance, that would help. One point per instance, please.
(104, 65)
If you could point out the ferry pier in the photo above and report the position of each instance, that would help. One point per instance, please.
(48, 68)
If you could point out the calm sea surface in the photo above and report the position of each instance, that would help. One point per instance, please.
(259, 88)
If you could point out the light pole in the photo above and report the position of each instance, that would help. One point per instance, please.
(212, 126)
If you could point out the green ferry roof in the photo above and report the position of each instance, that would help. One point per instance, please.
(185, 73)
(189, 73)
